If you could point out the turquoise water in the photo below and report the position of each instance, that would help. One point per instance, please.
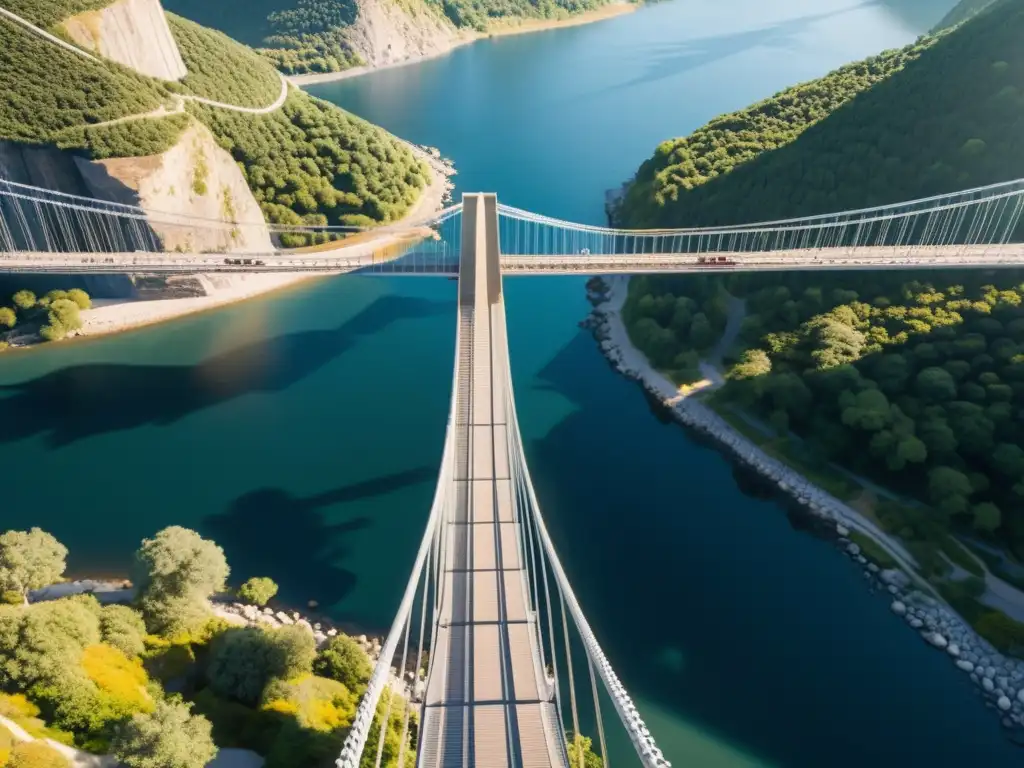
(303, 431)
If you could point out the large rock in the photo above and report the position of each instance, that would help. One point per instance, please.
(134, 33)
(937, 640)
(896, 578)
(165, 187)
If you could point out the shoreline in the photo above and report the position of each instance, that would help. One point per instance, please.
(1000, 679)
(524, 26)
(110, 316)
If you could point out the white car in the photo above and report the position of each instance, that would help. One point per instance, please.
(585, 252)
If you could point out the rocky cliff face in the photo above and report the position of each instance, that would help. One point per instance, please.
(133, 33)
(195, 179)
(386, 33)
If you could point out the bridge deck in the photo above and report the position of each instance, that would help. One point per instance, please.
(488, 702)
(382, 255)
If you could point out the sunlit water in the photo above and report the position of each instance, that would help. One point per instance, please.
(303, 431)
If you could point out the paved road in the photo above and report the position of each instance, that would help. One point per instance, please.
(978, 257)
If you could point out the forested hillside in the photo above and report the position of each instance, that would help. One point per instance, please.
(961, 12)
(312, 162)
(221, 69)
(48, 90)
(48, 13)
(302, 36)
(308, 161)
(915, 380)
(950, 118)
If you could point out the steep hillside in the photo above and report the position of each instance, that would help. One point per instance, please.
(302, 36)
(307, 160)
(913, 379)
(951, 117)
(221, 69)
(962, 11)
(48, 90)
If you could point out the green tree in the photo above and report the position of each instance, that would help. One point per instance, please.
(244, 660)
(123, 628)
(65, 312)
(1009, 459)
(343, 659)
(24, 300)
(868, 411)
(987, 517)
(702, 335)
(258, 591)
(53, 331)
(581, 752)
(7, 317)
(80, 298)
(176, 572)
(753, 363)
(168, 737)
(30, 560)
(936, 384)
(294, 650)
(949, 489)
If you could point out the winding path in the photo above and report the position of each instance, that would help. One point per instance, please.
(51, 38)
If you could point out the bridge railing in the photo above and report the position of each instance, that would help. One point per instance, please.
(558, 610)
(55, 226)
(963, 221)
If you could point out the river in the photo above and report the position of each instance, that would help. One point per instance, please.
(303, 431)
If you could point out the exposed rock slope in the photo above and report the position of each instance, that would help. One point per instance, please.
(195, 179)
(133, 33)
(385, 32)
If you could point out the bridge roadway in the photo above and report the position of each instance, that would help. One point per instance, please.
(488, 701)
(381, 255)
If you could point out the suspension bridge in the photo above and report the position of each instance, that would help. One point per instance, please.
(46, 231)
(478, 668)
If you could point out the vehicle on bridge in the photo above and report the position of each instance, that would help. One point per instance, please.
(716, 261)
(244, 262)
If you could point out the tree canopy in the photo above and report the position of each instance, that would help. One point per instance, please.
(30, 560)
(258, 591)
(168, 737)
(343, 660)
(175, 572)
(244, 660)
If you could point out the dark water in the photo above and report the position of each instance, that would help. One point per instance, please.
(303, 431)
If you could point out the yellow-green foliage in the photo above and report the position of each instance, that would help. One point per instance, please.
(170, 658)
(316, 702)
(36, 754)
(7, 742)
(121, 679)
(17, 708)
